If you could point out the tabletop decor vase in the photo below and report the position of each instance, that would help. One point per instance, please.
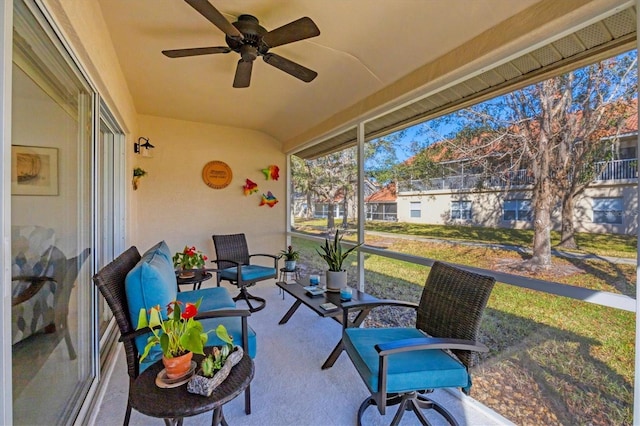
(178, 366)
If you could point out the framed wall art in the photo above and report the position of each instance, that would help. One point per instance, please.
(34, 170)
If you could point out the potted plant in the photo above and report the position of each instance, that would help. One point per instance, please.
(290, 258)
(179, 336)
(335, 255)
(216, 366)
(137, 174)
(188, 259)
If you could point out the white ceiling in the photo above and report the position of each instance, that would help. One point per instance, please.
(364, 46)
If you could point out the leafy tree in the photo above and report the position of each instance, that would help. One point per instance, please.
(330, 178)
(554, 129)
(300, 180)
(599, 99)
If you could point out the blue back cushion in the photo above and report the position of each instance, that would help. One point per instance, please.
(151, 282)
(160, 248)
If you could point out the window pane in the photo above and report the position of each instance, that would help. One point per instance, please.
(329, 185)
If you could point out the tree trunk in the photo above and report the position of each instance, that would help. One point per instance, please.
(310, 207)
(541, 200)
(331, 223)
(542, 227)
(345, 214)
(567, 239)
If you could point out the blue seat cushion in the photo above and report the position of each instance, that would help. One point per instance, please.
(250, 273)
(212, 298)
(425, 369)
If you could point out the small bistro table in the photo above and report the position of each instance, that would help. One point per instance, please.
(173, 404)
(301, 297)
(197, 279)
(286, 273)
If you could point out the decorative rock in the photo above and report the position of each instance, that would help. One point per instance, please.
(204, 386)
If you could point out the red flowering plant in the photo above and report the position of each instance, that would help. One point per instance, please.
(189, 258)
(178, 334)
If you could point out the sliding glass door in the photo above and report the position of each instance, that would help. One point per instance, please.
(51, 216)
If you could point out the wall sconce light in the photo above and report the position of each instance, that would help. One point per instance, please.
(143, 148)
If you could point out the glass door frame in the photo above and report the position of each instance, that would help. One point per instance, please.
(6, 63)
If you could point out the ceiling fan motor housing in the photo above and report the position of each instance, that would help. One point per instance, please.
(252, 31)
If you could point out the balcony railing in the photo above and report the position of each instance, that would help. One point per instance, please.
(607, 170)
(467, 181)
(617, 169)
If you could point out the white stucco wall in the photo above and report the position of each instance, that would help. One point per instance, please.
(174, 203)
(487, 208)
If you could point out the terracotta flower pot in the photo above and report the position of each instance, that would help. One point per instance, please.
(178, 366)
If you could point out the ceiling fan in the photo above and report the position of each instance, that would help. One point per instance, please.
(250, 40)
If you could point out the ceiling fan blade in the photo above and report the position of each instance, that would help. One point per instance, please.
(207, 10)
(300, 29)
(181, 53)
(243, 74)
(290, 67)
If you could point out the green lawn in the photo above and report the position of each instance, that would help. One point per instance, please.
(564, 359)
(600, 244)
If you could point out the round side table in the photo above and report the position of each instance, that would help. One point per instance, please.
(174, 404)
(196, 280)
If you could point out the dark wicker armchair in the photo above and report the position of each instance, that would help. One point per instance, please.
(234, 261)
(111, 283)
(400, 365)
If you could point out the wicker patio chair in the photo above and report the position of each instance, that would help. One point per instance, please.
(400, 365)
(234, 261)
(111, 283)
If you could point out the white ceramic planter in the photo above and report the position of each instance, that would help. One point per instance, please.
(336, 280)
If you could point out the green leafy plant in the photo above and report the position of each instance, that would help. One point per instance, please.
(290, 254)
(138, 172)
(216, 359)
(137, 175)
(178, 334)
(189, 258)
(333, 253)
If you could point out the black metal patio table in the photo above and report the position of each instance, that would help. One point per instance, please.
(173, 404)
(196, 280)
(298, 292)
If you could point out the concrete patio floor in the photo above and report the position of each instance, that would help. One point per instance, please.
(289, 387)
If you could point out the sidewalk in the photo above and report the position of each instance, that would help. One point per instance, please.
(519, 249)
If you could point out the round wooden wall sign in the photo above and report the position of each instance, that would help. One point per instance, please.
(217, 174)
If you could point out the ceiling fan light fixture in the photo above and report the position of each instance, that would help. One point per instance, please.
(248, 53)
